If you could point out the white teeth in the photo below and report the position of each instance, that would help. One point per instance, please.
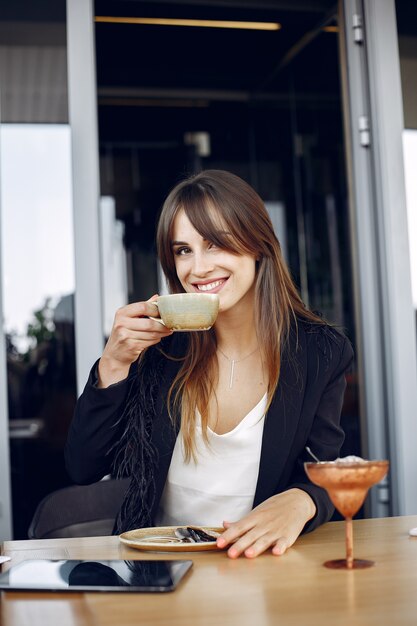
(209, 286)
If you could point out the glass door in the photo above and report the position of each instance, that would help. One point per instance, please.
(37, 258)
(264, 104)
(374, 122)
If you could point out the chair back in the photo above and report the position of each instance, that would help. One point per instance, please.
(79, 510)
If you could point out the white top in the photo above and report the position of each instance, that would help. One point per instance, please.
(221, 484)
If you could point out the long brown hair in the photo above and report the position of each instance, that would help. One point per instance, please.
(227, 211)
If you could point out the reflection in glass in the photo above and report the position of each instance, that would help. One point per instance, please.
(38, 283)
(410, 166)
(37, 245)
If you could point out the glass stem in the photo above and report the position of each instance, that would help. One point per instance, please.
(349, 543)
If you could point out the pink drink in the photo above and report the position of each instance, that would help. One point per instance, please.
(347, 482)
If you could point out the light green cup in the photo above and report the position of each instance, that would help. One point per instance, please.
(188, 311)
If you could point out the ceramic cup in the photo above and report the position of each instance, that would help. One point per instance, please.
(188, 311)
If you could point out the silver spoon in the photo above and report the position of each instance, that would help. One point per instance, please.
(313, 456)
(184, 535)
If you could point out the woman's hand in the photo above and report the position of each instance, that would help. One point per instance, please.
(132, 332)
(276, 524)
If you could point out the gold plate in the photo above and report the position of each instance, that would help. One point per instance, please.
(163, 539)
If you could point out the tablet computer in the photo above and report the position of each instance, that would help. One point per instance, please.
(114, 576)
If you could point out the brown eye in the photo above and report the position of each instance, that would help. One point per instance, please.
(182, 251)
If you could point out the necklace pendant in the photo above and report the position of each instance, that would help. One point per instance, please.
(232, 370)
(233, 361)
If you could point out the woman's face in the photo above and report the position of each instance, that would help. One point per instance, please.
(202, 267)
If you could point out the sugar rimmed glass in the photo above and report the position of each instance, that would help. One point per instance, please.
(347, 483)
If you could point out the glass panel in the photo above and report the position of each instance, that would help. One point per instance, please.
(37, 249)
(410, 165)
(264, 105)
(407, 41)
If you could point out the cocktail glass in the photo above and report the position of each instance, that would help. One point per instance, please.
(347, 483)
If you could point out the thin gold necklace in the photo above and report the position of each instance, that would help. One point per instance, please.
(234, 361)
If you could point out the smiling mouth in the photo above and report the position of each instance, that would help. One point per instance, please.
(210, 286)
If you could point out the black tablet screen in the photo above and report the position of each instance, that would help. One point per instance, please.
(116, 575)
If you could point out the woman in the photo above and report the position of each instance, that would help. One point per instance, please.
(212, 426)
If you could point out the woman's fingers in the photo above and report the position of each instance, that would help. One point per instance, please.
(276, 524)
(137, 318)
(252, 544)
(140, 324)
(264, 543)
(138, 309)
(280, 546)
(234, 530)
(133, 332)
(256, 541)
(128, 340)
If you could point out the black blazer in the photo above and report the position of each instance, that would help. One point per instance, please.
(305, 411)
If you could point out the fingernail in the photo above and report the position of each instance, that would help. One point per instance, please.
(233, 553)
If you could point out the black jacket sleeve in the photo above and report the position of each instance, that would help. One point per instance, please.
(325, 438)
(95, 428)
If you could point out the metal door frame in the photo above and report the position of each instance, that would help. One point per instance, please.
(5, 470)
(387, 357)
(82, 100)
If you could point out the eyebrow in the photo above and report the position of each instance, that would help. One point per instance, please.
(185, 243)
(179, 243)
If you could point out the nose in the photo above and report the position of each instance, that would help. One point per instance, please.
(202, 264)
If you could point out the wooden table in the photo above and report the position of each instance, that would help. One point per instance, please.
(294, 589)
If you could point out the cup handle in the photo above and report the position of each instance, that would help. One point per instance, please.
(156, 319)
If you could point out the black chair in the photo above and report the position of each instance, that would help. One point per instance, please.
(79, 511)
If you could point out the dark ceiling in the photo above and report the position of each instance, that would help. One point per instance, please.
(156, 58)
(180, 58)
(157, 82)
